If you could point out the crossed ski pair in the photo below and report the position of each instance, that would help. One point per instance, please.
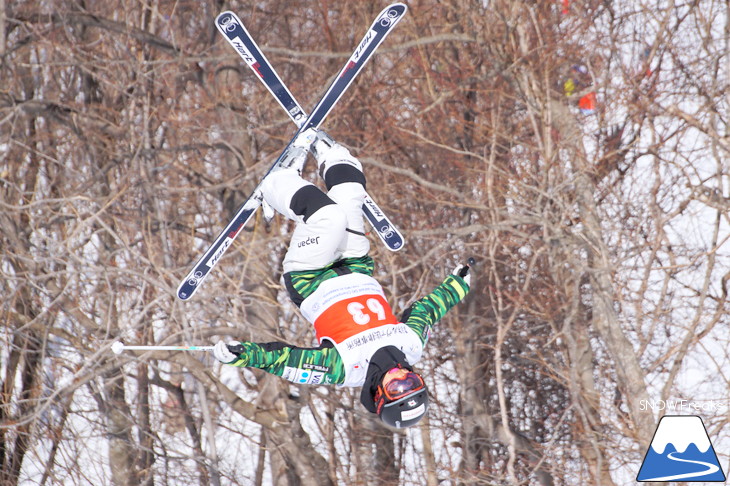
(233, 30)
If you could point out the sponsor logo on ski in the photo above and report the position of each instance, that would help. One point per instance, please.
(228, 23)
(219, 252)
(387, 231)
(388, 17)
(363, 46)
(195, 278)
(373, 208)
(237, 43)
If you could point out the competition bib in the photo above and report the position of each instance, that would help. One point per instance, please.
(344, 306)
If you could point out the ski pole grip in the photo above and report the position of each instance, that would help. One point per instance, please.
(465, 269)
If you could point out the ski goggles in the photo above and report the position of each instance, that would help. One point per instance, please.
(398, 383)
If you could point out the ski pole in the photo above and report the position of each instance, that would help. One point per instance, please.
(119, 346)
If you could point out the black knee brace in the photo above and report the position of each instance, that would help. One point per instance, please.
(339, 173)
(308, 200)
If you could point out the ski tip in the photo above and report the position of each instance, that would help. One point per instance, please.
(392, 14)
(187, 288)
(227, 22)
(182, 295)
(226, 14)
(398, 5)
(223, 17)
(392, 238)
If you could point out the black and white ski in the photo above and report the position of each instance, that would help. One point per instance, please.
(231, 27)
(380, 28)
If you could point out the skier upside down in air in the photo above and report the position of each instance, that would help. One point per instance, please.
(328, 274)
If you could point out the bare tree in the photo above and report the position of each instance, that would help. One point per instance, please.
(130, 132)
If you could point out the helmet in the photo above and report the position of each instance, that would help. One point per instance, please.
(401, 399)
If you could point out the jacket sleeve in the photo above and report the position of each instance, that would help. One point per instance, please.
(312, 366)
(425, 312)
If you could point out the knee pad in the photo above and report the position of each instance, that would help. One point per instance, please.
(308, 200)
(279, 187)
(337, 165)
(341, 173)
